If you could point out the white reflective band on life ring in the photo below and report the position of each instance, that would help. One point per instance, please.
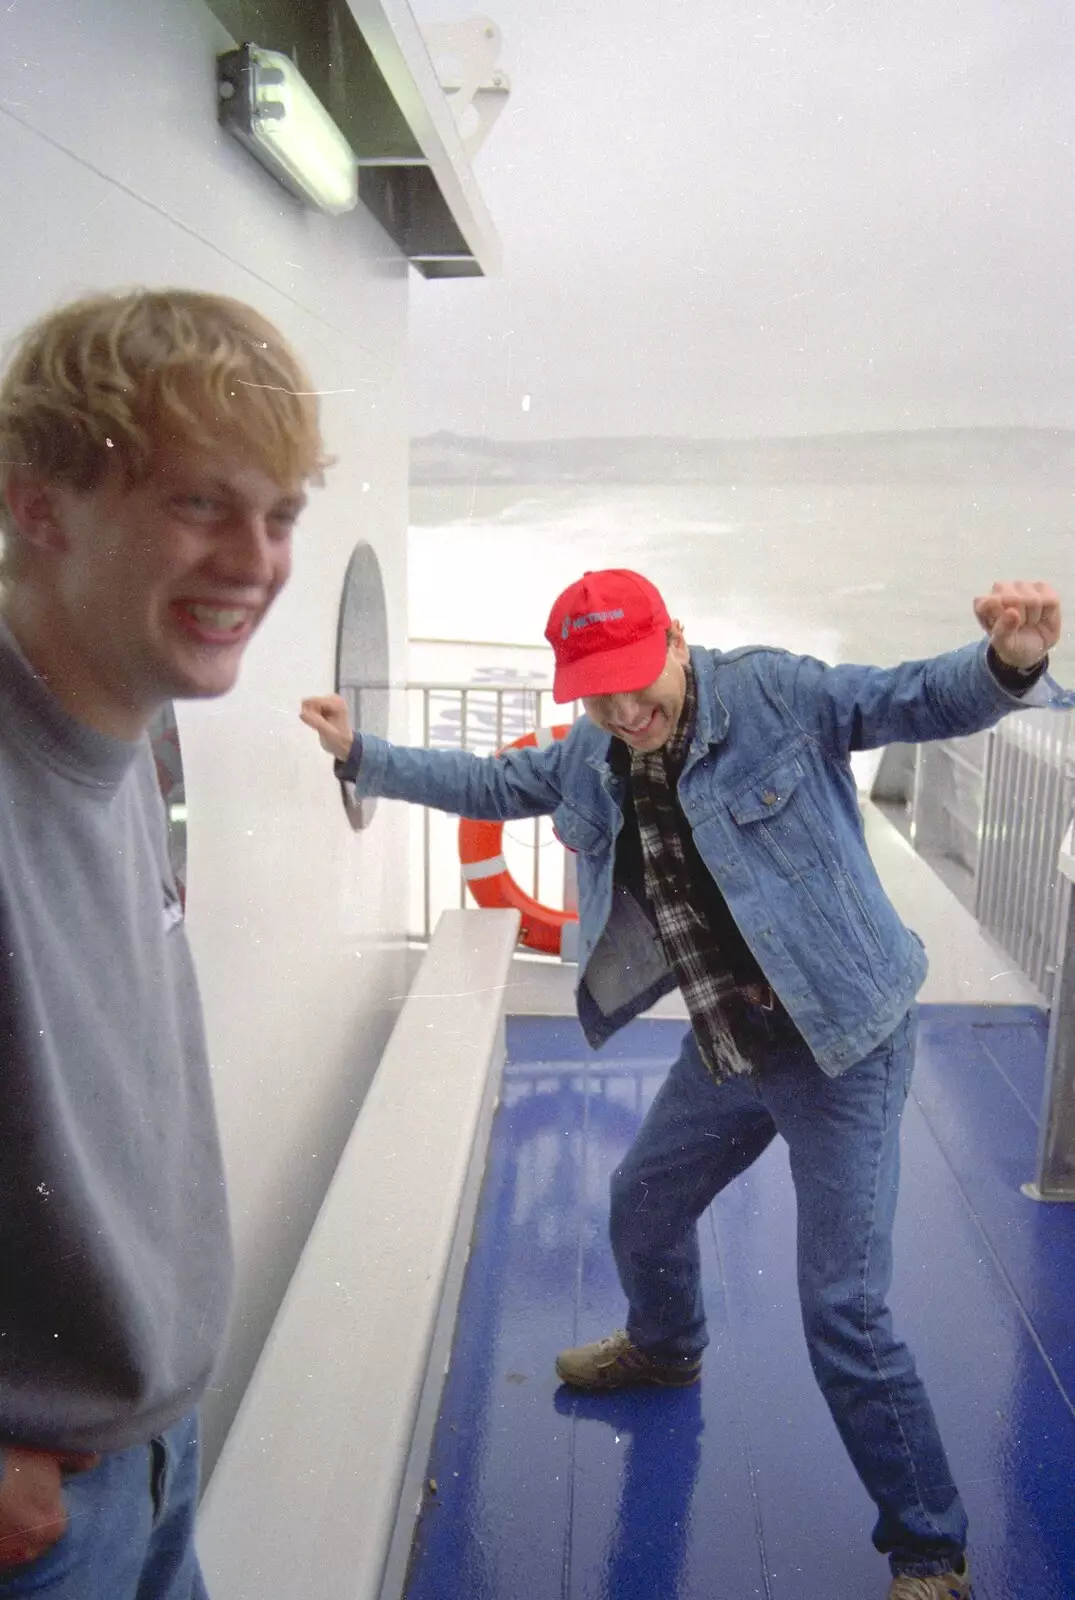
(490, 868)
(543, 737)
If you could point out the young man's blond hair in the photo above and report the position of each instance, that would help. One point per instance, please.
(103, 379)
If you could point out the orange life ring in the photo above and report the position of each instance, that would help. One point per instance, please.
(486, 872)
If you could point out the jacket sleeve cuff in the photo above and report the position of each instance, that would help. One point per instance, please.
(347, 771)
(1013, 680)
(366, 765)
(1044, 693)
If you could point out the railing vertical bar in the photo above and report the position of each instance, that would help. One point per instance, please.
(1002, 772)
(464, 744)
(1045, 845)
(1053, 809)
(1035, 896)
(983, 863)
(1021, 854)
(1018, 852)
(427, 852)
(1011, 837)
(1004, 834)
(1032, 757)
(1065, 809)
(990, 830)
(539, 723)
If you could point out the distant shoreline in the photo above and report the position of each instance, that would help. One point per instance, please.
(947, 455)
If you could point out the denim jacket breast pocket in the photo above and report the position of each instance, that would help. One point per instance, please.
(578, 832)
(777, 813)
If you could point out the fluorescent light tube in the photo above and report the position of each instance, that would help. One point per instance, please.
(270, 108)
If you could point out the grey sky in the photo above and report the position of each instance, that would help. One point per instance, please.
(767, 216)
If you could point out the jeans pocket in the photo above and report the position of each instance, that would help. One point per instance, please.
(159, 1476)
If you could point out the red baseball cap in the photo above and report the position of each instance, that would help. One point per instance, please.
(609, 633)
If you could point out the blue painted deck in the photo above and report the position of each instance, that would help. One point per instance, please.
(740, 1487)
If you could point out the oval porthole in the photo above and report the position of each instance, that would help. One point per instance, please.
(164, 737)
(362, 661)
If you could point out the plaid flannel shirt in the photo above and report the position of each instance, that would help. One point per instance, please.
(701, 967)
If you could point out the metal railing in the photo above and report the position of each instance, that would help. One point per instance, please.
(947, 799)
(988, 813)
(480, 717)
(1028, 801)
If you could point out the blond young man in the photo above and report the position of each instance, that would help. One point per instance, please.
(154, 448)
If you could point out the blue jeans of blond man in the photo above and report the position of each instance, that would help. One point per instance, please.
(130, 1529)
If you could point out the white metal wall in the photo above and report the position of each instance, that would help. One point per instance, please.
(113, 172)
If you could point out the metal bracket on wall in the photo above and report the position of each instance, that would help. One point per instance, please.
(466, 59)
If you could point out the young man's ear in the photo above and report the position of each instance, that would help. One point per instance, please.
(32, 507)
(678, 644)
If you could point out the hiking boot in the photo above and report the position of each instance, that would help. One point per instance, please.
(615, 1362)
(945, 1586)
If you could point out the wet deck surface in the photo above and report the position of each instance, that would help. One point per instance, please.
(740, 1487)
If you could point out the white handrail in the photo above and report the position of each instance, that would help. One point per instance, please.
(316, 1491)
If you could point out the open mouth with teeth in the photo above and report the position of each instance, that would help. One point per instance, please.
(213, 624)
(639, 730)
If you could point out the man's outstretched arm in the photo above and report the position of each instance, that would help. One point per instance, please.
(943, 697)
(518, 783)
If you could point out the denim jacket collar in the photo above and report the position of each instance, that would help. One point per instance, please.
(711, 723)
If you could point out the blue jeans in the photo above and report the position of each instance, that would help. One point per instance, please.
(130, 1530)
(843, 1140)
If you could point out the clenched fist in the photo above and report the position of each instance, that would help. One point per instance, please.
(1022, 621)
(329, 717)
(32, 1513)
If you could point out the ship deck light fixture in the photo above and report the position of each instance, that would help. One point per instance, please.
(270, 108)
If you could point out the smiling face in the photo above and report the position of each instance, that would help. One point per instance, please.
(154, 447)
(645, 719)
(137, 594)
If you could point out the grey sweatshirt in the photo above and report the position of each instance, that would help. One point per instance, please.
(115, 1257)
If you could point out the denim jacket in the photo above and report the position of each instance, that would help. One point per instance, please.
(768, 792)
